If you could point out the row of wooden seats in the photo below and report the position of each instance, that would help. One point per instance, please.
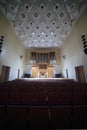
(24, 93)
(41, 117)
(23, 87)
(66, 94)
(43, 99)
(35, 98)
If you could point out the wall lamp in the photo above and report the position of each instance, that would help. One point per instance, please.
(1, 43)
(84, 43)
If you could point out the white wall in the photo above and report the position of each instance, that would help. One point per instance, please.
(73, 48)
(12, 49)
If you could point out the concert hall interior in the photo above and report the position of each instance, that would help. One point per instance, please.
(43, 64)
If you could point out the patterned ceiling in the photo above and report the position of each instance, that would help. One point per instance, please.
(42, 23)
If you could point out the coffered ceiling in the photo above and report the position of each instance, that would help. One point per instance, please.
(42, 23)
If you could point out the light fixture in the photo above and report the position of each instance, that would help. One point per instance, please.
(64, 57)
(1, 43)
(21, 56)
(84, 43)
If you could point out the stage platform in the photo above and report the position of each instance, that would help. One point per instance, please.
(46, 79)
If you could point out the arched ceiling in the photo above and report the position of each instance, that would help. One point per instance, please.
(42, 23)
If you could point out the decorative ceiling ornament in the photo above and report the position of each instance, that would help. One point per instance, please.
(42, 23)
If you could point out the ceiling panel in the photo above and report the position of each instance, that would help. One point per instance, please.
(42, 23)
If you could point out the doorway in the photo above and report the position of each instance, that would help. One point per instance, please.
(67, 73)
(5, 73)
(80, 75)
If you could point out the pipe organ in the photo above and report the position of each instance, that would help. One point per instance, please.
(42, 58)
(42, 65)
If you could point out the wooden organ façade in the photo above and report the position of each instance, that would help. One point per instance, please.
(42, 64)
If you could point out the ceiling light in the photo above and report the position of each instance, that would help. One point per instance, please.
(35, 15)
(42, 33)
(33, 33)
(35, 40)
(51, 33)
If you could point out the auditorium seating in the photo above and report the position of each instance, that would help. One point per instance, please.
(79, 117)
(3, 118)
(14, 98)
(43, 104)
(16, 117)
(38, 117)
(3, 98)
(61, 117)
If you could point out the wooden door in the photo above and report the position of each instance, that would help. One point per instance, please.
(5, 73)
(67, 73)
(50, 72)
(80, 75)
(18, 76)
(34, 72)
